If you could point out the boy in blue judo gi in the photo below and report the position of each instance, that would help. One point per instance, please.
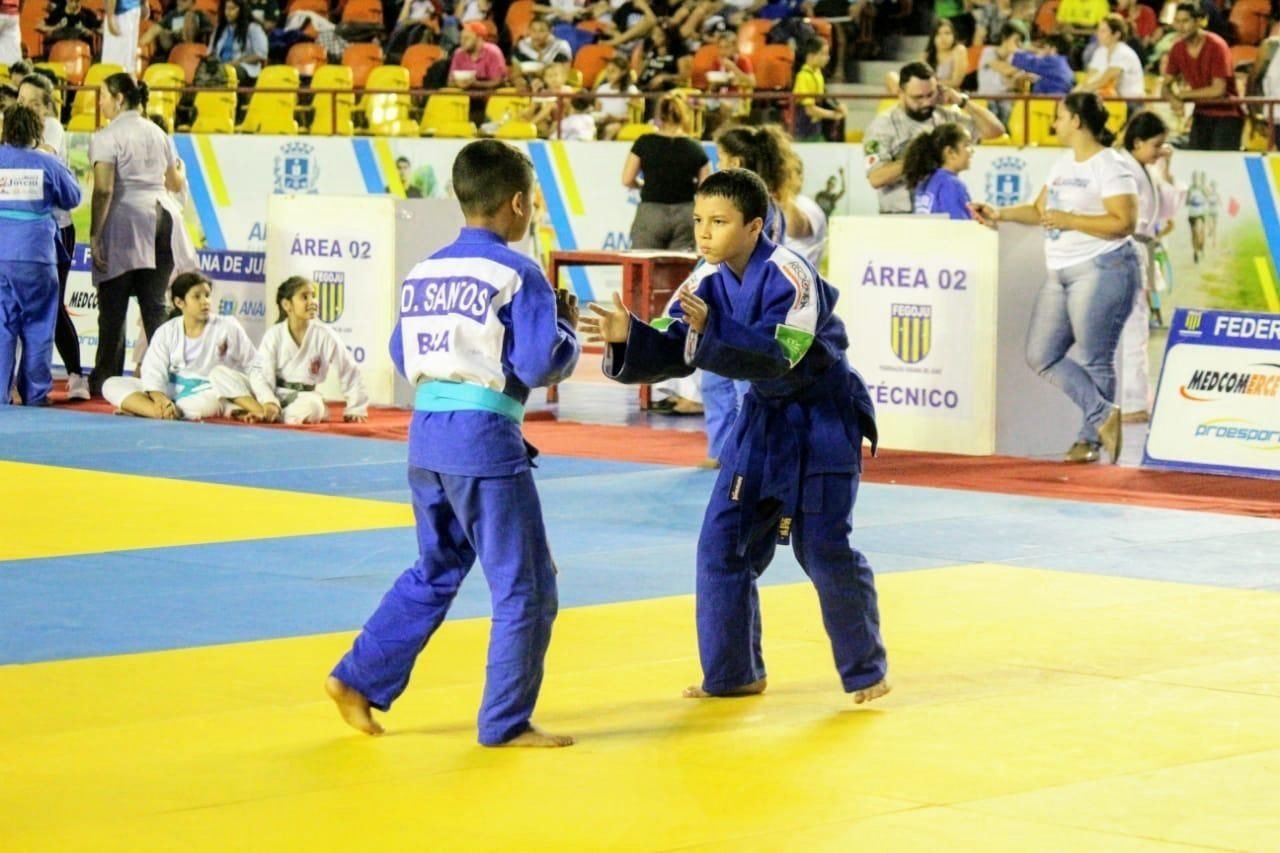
(479, 326)
(32, 184)
(789, 471)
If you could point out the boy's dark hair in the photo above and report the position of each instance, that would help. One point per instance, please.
(1060, 43)
(8, 94)
(41, 82)
(582, 102)
(1190, 8)
(915, 71)
(1008, 31)
(22, 67)
(740, 186)
(22, 127)
(487, 173)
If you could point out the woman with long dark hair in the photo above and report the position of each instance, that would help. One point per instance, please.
(1088, 210)
(240, 41)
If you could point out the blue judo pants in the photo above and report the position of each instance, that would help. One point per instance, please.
(728, 602)
(721, 400)
(498, 520)
(28, 313)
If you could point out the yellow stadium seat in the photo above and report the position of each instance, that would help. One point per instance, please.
(517, 129)
(84, 109)
(215, 112)
(1119, 114)
(504, 105)
(387, 113)
(331, 113)
(273, 112)
(448, 115)
(633, 130)
(159, 77)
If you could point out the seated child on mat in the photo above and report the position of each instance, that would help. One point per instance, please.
(194, 368)
(296, 354)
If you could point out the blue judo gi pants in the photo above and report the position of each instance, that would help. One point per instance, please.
(28, 313)
(498, 520)
(721, 401)
(728, 602)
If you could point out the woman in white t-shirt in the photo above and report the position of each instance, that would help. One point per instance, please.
(1088, 209)
(1114, 66)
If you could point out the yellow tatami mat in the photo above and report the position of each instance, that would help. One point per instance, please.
(129, 511)
(1032, 710)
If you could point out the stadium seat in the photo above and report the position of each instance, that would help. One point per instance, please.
(774, 66)
(361, 59)
(519, 14)
(517, 130)
(306, 57)
(84, 109)
(215, 112)
(418, 58)
(1250, 19)
(161, 76)
(504, 105)
(362, 12)
(387, 114)
(330, 112)
(706, 58)
(1047, 18)
(187, 55)
(32, 15)
(590, 60)
(1243, 55)
(632, 131)
(273, 112)
(209, 7)
(447, 115)
(75, 55)
(320, 7)
(751, 35)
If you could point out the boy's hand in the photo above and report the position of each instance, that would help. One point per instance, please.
(695, 310)
(271, 413)
(567, 306)
(610, 325)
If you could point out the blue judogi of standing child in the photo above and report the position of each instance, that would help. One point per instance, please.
(479, 326)
(32, 184)
(789, 471)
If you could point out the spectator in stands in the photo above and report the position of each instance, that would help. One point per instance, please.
(931, 168)
(732, 74)
(120, 27)
(1141, 19)
(948, 57)
(418, 21)
(613, 111)
(132, 221)
(1081, 17)
(923, 105)
(996, 73)
(544, 108)
(1114, 68)
(539, 45)
(36, 93)
(70, 21)
(1045, 66)
(28, 269)
(10, 32)
(476, 65)
(579, 125)
(628, 23)
(1088, 210)
(665, 64)
(1199, 70)
(266, 13)
(666, 167)
(990, 16)
(8, 96)
(1022, 14)
(779, 9)
(182, 23)
(240, 42)
(816, 117)
(955, 14)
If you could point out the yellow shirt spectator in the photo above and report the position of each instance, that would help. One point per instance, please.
(1082, 13)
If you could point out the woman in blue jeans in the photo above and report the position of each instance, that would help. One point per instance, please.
(1088, 209)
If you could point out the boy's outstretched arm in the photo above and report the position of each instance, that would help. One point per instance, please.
(635, 352)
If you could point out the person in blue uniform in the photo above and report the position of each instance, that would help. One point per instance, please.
(32, 184)
(758, 311)
(931, 166)
(479, 326)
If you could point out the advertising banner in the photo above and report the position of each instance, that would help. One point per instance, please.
(1218, 403)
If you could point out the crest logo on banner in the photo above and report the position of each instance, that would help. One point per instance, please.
(910, 331)
(297, 170)
(1007, 182)
(331, 288)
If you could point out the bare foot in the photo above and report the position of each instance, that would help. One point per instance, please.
(353, 707)
(536, 737)
(751, 689)
(875, 691)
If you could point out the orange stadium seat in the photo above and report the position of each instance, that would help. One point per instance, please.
(774, 67)
(305, 57)
(320, 7)
(751, 35)
(591, 60)
(519, 14)
(31, 16)
(707, 58)
(418, 58)
(1250, 19)
(362, 12)
(75, 55)
(361, 59)
(1047, 17)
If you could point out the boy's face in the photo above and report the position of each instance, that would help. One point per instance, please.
(719, 230)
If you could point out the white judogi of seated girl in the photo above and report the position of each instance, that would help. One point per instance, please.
(195, 367)
(296, 354)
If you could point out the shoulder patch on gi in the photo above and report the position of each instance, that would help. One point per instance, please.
(795, 342)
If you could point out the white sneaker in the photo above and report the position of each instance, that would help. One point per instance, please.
(77, 387)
